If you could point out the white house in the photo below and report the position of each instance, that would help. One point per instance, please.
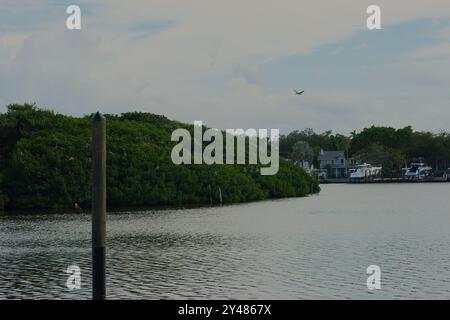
(336, 163)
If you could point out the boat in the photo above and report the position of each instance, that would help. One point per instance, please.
(364, 171)
(417, 170)
(320, 174)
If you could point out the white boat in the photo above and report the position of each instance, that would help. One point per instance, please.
(417, 170)
(320, 174)
(364, 170)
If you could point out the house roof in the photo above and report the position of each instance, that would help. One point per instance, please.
(330, 155)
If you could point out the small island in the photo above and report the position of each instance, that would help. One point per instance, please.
(45, 162)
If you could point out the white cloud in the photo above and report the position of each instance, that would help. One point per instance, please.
(362, 46)
(439, 51)
(105, 67)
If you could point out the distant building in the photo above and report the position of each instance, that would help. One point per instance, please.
(305, 165)
(336, 163)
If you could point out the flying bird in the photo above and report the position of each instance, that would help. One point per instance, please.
(299, 93)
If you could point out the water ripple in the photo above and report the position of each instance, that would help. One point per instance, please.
(307, 248)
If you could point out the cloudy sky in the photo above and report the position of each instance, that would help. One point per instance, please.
(233, 63)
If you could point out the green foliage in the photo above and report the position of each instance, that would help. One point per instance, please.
(289, 181)
(325, 141)
(384, 136)
(45, 162)
(396, 147)
(391, 160)
(392, 148)
(302, 151)
(3, 201)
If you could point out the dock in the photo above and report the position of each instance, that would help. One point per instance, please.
(386, 180)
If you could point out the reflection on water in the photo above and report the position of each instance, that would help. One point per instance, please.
(315, 247)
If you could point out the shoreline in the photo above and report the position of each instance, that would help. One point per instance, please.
(133, 209)
(386, 180)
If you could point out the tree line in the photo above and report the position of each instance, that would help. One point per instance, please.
(392, 148)
(45, 162)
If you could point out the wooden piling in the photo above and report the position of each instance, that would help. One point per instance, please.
(210, 196)
(220, 196)
(99, 207)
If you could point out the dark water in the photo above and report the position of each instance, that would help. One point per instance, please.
(315, 247)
